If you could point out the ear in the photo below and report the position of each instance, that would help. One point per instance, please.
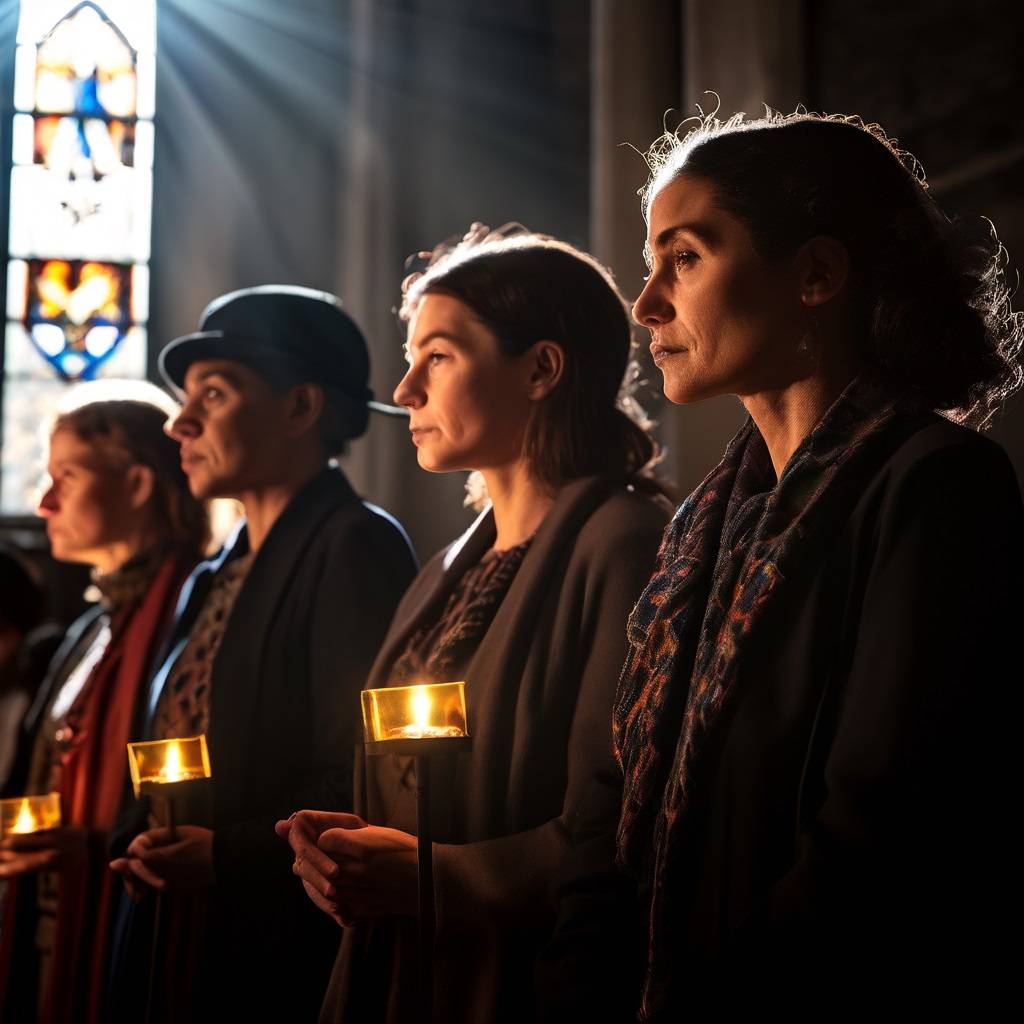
(140, 482)
(546, 364)
(304, 405)
(823, 267)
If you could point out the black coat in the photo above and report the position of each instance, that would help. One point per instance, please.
(539, 692)
(852, 842)
(284, 718)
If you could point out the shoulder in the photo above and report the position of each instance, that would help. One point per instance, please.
(626, 517)
(942, 443)
(359, 525)
(945, 461)
(946, 489)
(621, 536)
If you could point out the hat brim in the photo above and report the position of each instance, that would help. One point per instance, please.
(178, 355)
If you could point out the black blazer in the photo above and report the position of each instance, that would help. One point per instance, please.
(284, 718)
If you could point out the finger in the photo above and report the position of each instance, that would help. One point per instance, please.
(146, 874)
(151, 840)
(155, 856)
(319, 821)
(347, 851)
(316, 878)
(327, 906)
(15, 864)
(282, 828)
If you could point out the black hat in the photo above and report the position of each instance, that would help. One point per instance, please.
(278, 325)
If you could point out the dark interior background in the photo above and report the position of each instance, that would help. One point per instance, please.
(321, 142)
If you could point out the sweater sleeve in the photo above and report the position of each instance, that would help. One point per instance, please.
(900, 851)
(507, 882)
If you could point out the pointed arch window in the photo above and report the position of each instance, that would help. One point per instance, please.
(80, 214)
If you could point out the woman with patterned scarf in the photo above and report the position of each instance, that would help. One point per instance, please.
(117, 500)
(517, 346)
(808, 721)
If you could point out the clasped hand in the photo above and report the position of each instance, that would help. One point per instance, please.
(351, 870)
(153, 861)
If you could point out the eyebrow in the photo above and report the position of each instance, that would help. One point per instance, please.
(426, 340)
(702, 231)
(207, 374)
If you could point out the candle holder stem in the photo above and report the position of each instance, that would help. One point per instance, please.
(153, 950)
(172, 825)
(425, 876)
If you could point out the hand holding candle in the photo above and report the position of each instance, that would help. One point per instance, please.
(181, 857)
(30, 837)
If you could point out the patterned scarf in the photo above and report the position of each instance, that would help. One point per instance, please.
(730, 547)
(441, 650)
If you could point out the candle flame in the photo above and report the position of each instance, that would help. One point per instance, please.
(421, 707)
(26, 820)
(173, 770)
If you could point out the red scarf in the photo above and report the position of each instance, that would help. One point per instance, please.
(92, 788)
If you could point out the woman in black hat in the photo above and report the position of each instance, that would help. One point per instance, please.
(518, 346)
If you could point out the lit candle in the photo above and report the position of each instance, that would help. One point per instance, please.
(25, 822)
(160, 763)
(24, 815)
(172, 769)
(420, 728)
(425, 712)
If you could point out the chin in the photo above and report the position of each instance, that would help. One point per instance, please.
(686, 392)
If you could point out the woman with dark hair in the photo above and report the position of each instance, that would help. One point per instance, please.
(808, 719)
(517, 348)
(117, 500)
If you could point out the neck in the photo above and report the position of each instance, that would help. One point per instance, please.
(264, 505)
(786, 416)
(520, 503)
(113, 556)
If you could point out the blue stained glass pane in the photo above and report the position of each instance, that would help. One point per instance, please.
(78, 313)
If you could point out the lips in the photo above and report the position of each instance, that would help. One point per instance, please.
(189, 459)
(660, 351)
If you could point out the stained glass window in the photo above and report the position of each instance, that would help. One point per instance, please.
(80, 214)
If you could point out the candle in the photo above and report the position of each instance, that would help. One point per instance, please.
(24, 815)
(166, 762)
(425, 712)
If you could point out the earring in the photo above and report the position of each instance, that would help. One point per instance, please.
(810, 341)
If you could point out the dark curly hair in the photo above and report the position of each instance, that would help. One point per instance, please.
(929, 292)
(527, 287)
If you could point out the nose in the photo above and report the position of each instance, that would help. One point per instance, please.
(184, 426)
(409, 392)
(48, 502)
(652, 307)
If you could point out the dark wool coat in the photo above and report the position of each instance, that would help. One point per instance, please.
(284, 717)
(539, 694)
(852, 843)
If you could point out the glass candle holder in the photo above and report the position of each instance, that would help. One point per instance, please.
(22, 815)
(402, 719)
(159, 763)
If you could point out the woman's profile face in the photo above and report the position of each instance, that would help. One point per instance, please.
(723, 320)
(467, 401)
(87, 504)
